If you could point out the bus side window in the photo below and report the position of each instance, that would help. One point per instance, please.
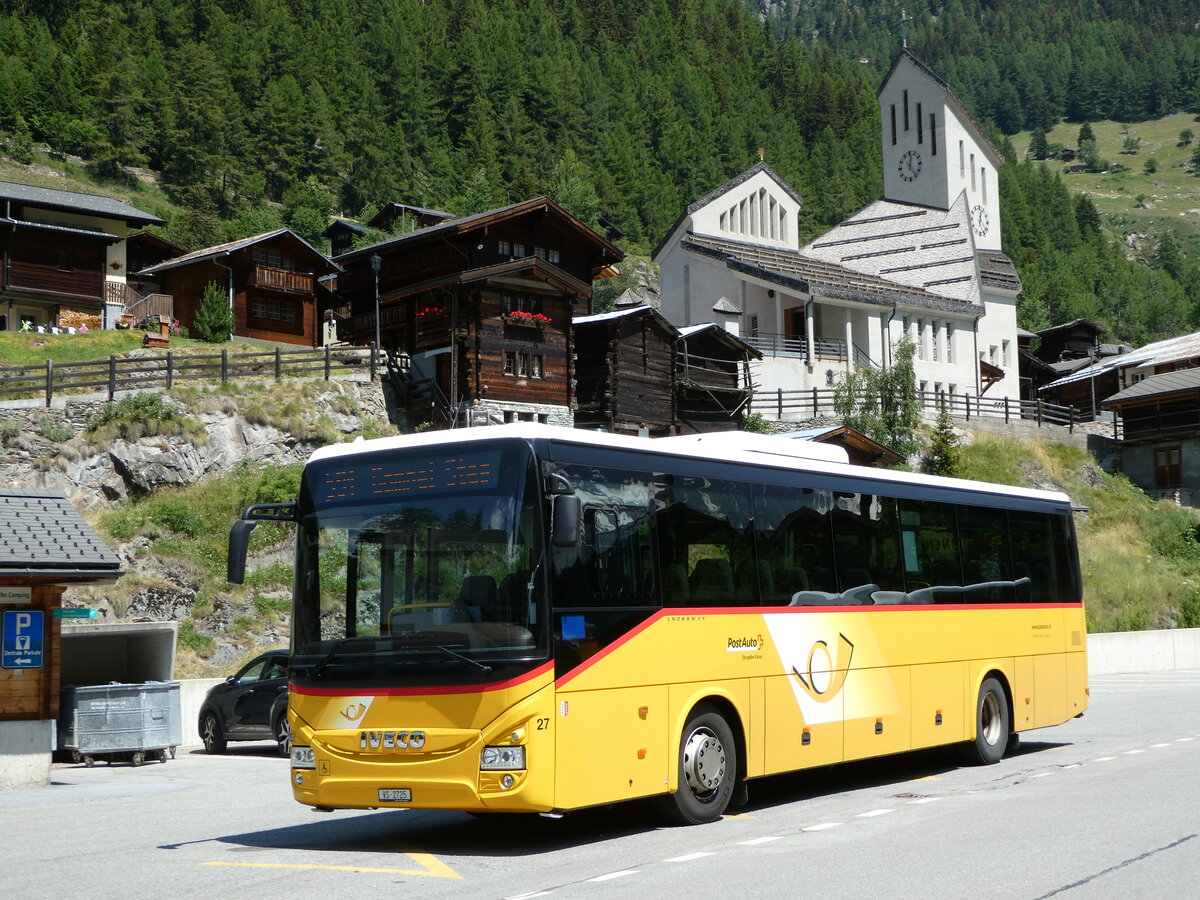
(930, 549)
(867, 547)
(1033, 545)
(794, 541)
(988, 575)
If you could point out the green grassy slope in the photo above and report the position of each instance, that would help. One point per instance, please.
(1133, 200)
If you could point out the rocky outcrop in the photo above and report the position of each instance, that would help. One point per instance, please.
(93, 476)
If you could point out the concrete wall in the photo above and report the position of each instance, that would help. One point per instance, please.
(25, 748)
(1144, 651)
(191, 695)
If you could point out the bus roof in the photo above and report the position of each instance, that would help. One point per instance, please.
(726, 446)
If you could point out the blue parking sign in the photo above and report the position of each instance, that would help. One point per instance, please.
(22, 639)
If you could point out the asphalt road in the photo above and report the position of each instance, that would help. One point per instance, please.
(1103, 806)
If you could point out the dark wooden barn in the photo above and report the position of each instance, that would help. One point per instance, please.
(476, 313)
(624, 372)
(713, 385)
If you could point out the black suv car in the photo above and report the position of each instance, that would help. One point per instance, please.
(249, 706)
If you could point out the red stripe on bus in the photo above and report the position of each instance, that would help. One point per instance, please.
(624, 639)
(694, 612)
(424, 691)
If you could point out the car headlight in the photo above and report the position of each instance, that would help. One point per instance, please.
(502, 758)
(303, 758)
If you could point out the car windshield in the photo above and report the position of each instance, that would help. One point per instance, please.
(417, 561)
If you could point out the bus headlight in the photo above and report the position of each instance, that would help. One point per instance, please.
(302, 757)
(502, 758)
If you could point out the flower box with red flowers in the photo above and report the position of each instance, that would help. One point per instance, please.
(526, 319)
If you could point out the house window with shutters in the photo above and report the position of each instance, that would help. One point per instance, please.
(1167, 469)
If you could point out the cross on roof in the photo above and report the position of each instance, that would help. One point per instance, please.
(905, 18)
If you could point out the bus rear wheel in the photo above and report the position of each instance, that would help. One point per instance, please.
(707, 770)
(991, 726)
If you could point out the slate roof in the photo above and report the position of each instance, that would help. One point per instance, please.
(1181, 382)
(43, 536)
(1159, 353)
(914, 246)
(74, 201)
(232, 246)
(796, 271)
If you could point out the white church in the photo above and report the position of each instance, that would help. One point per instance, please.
(925, 260)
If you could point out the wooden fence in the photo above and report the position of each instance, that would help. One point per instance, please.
(164, 370)
(809, 404)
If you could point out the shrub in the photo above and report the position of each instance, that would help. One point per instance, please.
(54, 430)
(190, 638)
(140, 407)
(214, 320)
(177, 516)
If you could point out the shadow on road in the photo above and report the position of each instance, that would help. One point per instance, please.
(461, 834)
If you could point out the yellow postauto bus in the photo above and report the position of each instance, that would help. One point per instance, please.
(525, 618)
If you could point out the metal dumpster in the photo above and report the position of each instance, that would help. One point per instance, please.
(120, 721)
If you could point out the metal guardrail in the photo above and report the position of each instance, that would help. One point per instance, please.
(780, 404)
(782, 345)
(164, 370)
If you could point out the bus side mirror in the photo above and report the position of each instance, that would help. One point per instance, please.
(239, 539)
(565, 530)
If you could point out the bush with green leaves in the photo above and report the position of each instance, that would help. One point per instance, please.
(139, 407)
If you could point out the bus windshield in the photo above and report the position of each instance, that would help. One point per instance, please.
(418, 561)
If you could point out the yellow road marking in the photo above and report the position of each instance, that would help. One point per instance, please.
(432, 867)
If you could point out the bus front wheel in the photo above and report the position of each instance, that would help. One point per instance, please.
(991, 726)
(707, 769)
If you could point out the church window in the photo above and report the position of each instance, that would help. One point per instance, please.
(950, 343)
(764, 226)
(920, 125)
(962, 165)
(933, 134)
(1004, 351)
(983, 181)
(937, 339)
(754, 214)
(920, 338)
(754, 326)
(773, 217)
(972, 171)
(724, 221)
(906, 110)
(893, 124)
(742, 217)
(783, 224)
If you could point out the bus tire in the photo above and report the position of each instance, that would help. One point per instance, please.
(707, 770)
(991, 726)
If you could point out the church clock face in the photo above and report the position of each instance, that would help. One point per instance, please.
(910, 165)
(979, 220)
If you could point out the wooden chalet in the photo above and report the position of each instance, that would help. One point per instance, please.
(341, 234)
(59, 253)
(1159, 446)
(862, 450)
(270, 279)
(1078, 339)
(410, 217)
(476, 312)
(713, 385)
(624, 372)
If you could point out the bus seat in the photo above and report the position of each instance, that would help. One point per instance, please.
(676, 591)
(712, 582)
(791, 579)
(855, 577)
(514, 588)
(477, 597)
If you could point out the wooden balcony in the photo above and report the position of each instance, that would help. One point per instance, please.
(52, 283)
(267, 278)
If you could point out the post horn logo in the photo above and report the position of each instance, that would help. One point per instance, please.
(354, 711)
(826, 669)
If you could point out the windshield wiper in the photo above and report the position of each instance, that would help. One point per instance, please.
(476, 664)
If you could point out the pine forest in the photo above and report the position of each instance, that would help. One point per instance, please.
(254, 113)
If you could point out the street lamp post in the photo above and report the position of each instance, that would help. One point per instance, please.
(376, 262)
